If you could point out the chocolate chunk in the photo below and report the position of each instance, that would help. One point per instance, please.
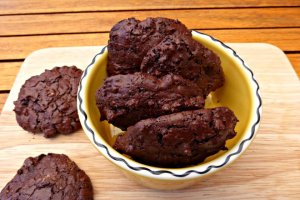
(188, 58)
(180, 139)
(131, 39)
(47, 102)
(51, 176)
(123, 100)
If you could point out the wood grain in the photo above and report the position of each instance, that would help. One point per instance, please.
(193, 19)
(286, 39)
(50, 6)
(3, 97)
(20, 47)
(8, 70)
(295, 60)
(269, 169)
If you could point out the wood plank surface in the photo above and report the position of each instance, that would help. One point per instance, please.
(295, 60)
(20, 47)
(3, 97)
(193, 19)
(286, 39)
(50, 6)
(9, 71)
(269, 169)
(13, 48)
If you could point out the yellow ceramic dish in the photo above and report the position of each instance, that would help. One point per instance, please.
(240, 93)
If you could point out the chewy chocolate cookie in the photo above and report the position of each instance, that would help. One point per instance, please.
(188, 58)
(159, 46)
(179, 139)
(123, 100)
(51, 176)
(47, 103)
(131, 39)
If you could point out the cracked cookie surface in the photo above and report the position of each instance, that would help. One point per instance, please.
(52, 176)
(179, 139)
(131, 39)
(188, 58)
(159, 46)
(124, 100)
(47, 102)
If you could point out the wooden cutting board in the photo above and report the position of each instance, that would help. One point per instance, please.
(270, 168)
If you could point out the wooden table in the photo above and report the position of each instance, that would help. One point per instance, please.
(26, 26)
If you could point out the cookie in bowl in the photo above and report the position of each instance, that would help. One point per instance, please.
(239, 92)
(123, 100)
(180, 139)
(131, 39)
(159, 46)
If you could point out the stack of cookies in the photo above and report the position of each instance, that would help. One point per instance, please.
(159, 78)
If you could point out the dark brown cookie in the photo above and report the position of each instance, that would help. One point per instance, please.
(130, 40)
(124, 100)
(159, 46)
(180, 139)
(188, 58)
(47, 103)
(51, 176)
(122, 57)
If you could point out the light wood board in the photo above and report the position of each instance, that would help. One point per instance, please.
(269, 169)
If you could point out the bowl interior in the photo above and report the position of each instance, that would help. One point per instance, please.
(236, 94)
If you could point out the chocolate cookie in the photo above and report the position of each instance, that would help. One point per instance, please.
(180, 139)
(122, 58)
(188, 58)
(131, 39)
(159, 46)
(51, 176)
(47, 102)
(124, 100)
